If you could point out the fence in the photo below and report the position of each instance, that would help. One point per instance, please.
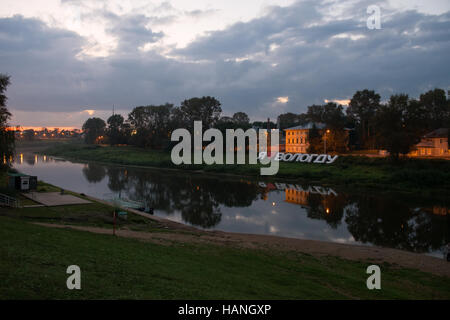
(8, 201)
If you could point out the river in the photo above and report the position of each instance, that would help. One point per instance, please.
(236, 204)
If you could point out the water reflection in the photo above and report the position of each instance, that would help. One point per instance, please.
(242, 205)
(94, 173)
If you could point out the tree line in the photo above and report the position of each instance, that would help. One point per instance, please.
(6, 136)
(151, 126)
(366, 123)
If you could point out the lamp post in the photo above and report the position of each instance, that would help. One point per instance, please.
(325, 141)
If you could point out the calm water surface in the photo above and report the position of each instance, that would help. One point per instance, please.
(233, 204)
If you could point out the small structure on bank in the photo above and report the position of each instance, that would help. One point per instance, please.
(433, 144)
(22, 182)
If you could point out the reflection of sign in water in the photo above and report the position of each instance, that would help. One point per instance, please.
(311, 189)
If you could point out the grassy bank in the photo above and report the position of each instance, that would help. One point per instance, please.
(410, 175)
(35, 258)
(94, 214)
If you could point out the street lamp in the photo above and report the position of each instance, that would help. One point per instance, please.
(325, 141)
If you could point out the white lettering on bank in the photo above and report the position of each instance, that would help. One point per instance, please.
(300, 157)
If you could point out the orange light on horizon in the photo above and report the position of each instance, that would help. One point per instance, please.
(35, 128)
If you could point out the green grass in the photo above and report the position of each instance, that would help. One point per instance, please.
(94, 214)
(34, 262)
(410, 175)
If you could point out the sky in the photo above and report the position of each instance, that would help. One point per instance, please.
(74, 59)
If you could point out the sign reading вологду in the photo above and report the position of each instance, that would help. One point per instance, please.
(301, 157)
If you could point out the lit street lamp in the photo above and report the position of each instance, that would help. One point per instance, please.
(325, 141)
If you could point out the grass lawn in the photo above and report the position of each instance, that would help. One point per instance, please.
(93, 214)
(34, 260)
(410, 175)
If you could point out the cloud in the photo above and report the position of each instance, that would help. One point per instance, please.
(132, 32)
(309, 51)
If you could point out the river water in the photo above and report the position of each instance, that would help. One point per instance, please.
(234, 204)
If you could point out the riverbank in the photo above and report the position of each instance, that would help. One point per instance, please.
(169, 264)
(154, 258)
(427, 176)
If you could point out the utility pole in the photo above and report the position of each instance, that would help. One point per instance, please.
(325, 141)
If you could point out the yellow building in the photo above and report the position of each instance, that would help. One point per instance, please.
(296, 196)
(297, 137)
(433, 144)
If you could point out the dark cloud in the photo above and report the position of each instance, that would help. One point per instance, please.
(20, 34)
(132, 31)
(290, 51)
(41, 61)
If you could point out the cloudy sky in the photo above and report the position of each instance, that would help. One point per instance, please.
(72, 59)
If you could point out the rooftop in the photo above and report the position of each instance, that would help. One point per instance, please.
(438, 133)
(308, 126)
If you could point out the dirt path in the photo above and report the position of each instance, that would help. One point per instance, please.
(317, 248)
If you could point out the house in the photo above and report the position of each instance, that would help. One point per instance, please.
(22, 182)
(433, 144)
(297, 137)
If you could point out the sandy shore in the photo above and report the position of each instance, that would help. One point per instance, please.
(187, 234)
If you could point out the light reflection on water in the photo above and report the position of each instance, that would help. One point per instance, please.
(250, 206)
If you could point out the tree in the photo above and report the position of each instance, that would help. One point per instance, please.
(205, 109)
(418, 117)
(263, 124)
(315, 113)
(5, 115)
(361, 110)
(394, 130)
(315, 141)
(154, 124)
(333, 117)
(115, 129)
(437, 108)
(330, 114)
(231, 123)
(287, 120)
(93, 129)
(241, 118)
(6, 136)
